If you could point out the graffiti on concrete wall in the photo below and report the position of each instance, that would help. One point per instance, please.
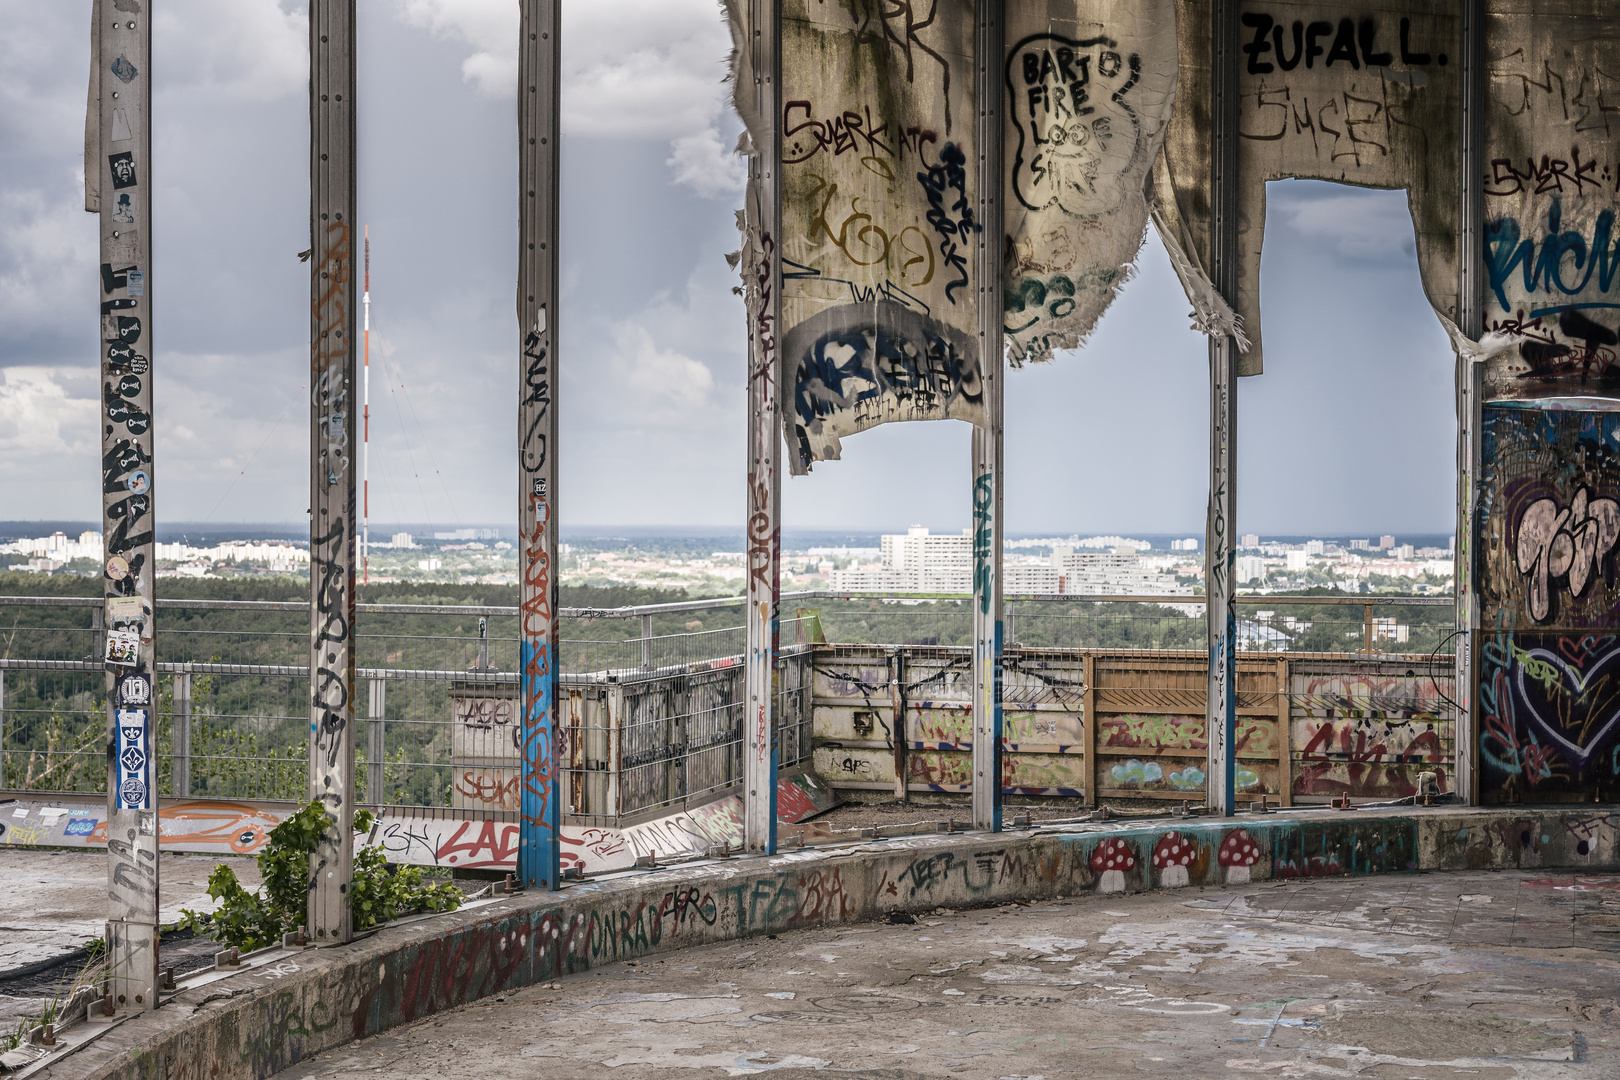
(1549, 519)
(1550, 249)
(1368, 734)
(878, 221)
(1549, 715)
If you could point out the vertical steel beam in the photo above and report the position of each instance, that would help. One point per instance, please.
(764, 220)
(334, 307)
(377, 710)
(539, 50)
(1470, 389)
(119, 184)
(897, 729)
(987, 462)
(180, 760)
(1220, 588)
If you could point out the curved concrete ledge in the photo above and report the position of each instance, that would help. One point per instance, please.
(262, 1020)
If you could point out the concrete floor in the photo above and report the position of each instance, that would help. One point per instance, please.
(53, 900)
(1489, 976)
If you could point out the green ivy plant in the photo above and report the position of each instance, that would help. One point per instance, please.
(378, 892)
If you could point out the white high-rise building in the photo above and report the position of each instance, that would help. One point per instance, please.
(1250, 568)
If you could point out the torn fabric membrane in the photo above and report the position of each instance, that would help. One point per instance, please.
(1370, 97)
(1089, 89)
(1552, 257)
(879, 321)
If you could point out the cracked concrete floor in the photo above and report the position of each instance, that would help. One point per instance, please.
(1488, 976)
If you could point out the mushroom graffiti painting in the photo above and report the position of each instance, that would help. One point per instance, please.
(1111, 859)
(1171, 856)
(1238, 853)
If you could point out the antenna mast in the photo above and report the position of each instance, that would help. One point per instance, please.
(365, 439)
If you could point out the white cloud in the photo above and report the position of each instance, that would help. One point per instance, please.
(1354, 222)
(630, 67)
(669, 384)
(41, 416)
(255, 50)
(48, 251)
(702, 163)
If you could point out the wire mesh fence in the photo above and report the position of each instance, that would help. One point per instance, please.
(436, 705)
(654, 720)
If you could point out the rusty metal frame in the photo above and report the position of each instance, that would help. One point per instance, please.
(334, 308)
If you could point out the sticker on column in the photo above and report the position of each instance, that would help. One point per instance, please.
(120, 125)
(123, 647)
(133, 791)
(135, 689)
(125, 609)
(137, 281)
(124, 209)
(122, 165)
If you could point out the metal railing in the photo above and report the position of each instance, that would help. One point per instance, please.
(652, 720)
(437, 707)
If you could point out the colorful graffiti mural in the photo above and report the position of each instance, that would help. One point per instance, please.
(1549, 700)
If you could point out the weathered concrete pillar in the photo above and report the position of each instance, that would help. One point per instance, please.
(764, 218)
(539, 49)
(118, 185)
(1220, 587)
(334, 306)
(987, 441)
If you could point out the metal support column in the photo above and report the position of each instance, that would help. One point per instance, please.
(539, 52)
(180, 756)
(987, 442)
(334, 307)
(118, 185)
(1470, 389)
(764, 220)
(1220, 588)
(897, 723)
(377, 744)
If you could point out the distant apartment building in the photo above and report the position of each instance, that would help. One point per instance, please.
(404, 540)
(468, 534)
(1360, 545)
(1188, 544)
(1250, 540)
(1385, 543)
(1297, 561)
(921, 561)
(1390, 630)
(1250, 568)
(1314, 547)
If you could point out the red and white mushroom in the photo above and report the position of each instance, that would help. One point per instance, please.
(1238, 853)
(1171, 856)
(1111, 859)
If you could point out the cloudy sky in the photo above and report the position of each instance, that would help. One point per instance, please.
(1350, 430)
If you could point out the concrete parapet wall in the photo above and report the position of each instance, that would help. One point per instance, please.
(269, 1017)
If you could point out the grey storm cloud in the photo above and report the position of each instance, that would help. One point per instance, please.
(1351, 426)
